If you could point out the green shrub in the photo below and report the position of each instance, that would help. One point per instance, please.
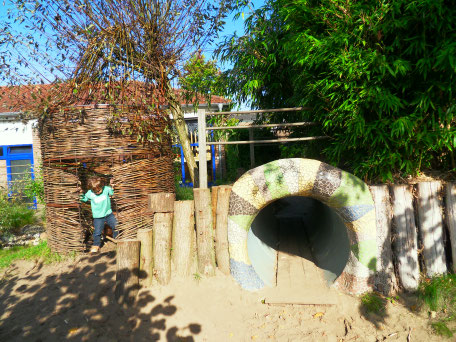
(377, 75)
(439, 295)
(183, 193)
(15, 216)
(14, 213)
(34, 188)
(372, 302)
(441, 329)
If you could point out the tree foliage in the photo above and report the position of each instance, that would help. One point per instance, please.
(200, 80)
(378, 75)
(109, 51)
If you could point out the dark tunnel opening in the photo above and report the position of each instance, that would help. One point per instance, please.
(300, 226)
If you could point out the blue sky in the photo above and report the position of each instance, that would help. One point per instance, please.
(231, 27)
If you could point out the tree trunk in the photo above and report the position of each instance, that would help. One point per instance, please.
(385, 279)
(162, 202)
(221, 230)
(214, 191)
(183, 252)
(451, 218)
(146, 260)
(405, 239)
(430, 223)
(127, 280)
(204, 232)
(182, 131)
(163, 225)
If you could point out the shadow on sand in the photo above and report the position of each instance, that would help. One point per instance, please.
(77, 303)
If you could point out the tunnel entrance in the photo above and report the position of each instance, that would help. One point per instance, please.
(294, 228)
(304, 208)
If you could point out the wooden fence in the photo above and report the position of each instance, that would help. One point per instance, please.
(416, 233)
(203, 141)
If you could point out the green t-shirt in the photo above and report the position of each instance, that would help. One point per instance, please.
(101, 204)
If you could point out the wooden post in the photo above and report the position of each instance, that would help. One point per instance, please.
(385, 279)
(202, 150)
(451, 218)
(221, 231)
(127, 273)
(183, 251)
(405, 239)
(430, 223)
(204, 232)
(146, 259)
(252, 149)
(214, 191)
(162, 202)
(163, 223)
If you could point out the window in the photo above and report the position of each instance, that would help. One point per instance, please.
(20, 149)
(19, 172)
(20, 169)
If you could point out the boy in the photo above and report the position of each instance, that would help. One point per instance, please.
(100, 202)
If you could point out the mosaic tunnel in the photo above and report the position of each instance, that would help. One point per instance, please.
(327, 209)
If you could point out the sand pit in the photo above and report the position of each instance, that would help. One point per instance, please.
(74, 301)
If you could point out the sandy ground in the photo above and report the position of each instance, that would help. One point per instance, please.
(74, 301)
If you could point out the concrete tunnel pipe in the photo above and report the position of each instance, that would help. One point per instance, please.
(340, 191)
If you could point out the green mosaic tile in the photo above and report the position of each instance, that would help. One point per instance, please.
(366, 253)
(244, 221)
(352, 191)
(275, 180)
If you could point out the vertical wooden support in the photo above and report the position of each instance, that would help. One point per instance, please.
(146, 259)
(163, 223)
(127, 280)
(162, 202)
(183, 238)
(202, 150)
(214, 192)
(221, 230)
(405, 240)
(204, 232)
(430, 223)
(252, 149)
(451, 218)
(385, 279)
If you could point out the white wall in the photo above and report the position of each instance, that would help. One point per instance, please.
(16, 133)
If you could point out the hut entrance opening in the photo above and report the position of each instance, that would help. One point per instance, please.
(299, 246)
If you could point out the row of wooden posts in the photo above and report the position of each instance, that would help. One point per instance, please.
(416, 233)
(174, 246)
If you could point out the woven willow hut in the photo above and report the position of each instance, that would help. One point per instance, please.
(80, 142)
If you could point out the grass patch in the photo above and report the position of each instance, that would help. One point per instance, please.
(439, 295)
(440, 328)
(40, 251)
(14, 216)
(183, 193)
(372, 302)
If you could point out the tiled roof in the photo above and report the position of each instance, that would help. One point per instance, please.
(22, 98)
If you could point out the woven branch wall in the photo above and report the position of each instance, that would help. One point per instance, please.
(77, 144)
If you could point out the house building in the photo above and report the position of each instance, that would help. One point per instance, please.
(19, 148)
(20, 154)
